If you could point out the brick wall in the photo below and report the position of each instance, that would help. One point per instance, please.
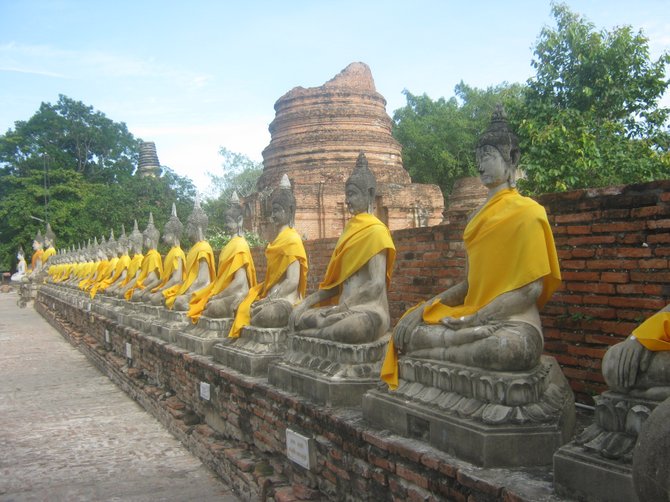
(613, 245)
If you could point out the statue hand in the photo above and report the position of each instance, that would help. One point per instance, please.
(456, 323)
(405, 327)
(630, 357)
(295, 315)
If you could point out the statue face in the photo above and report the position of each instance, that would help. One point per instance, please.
(280, 215)
(36, 245)
(357, 200)
(493, 170)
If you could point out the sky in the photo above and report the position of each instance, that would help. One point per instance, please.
(194, 76)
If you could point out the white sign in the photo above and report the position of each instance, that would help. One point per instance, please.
(204, 390)
(88, 307)
(129, 351)
(107, 336)
(300, 449)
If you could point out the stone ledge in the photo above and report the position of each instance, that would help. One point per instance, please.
(253, 415)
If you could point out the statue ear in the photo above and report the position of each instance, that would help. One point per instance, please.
(515, 155)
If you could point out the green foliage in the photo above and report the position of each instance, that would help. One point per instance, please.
(218, 238)
(439, 137)
(591, 116)
(240, 175)
(81, 164)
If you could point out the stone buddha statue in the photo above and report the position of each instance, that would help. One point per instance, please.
(471, 357)
(199, 268)
(136, 240)
(270, 303)
(490, 320)
(111, 259)
(173, 265)
(235, 272)
(152, 264)
(49, 243)
(21, 266)
(358, 274)
(100, 263)
(38, 251)
(640, 365)
(121, 269)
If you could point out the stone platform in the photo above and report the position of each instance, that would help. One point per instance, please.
(488, 418)
(254, 351)
(202, 337)
(331, 373)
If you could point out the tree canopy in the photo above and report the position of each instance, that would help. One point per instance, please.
(73, 167)
(589, 117)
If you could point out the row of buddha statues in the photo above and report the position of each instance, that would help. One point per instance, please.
(475, 349)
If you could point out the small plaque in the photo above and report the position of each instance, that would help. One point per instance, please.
(107, 340)
(300, 449)
(88, 307)
(204, 391)
(129, 351)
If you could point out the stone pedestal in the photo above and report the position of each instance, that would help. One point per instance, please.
(27, 293)
(492, 419)
(254, 351)
(169, 324)
(604, 451)
(201, 338)
(331, 373)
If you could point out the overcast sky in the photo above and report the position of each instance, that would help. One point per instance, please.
(200, 75)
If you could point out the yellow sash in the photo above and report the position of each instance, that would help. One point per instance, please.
(122, 264)
(91, 272)
(235, 255)
(48, 254)
(199, 251)
(135, 264)
(37, 255)
(152, 262)
(279, 254)
(654, 333)
(170, 264)
(106, 274)
(509, 244)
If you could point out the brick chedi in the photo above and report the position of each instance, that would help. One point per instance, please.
(316, 137)
(148, 164)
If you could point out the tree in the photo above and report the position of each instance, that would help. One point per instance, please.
(72, 166)
(240, 175)
(439, 137)
(591, 115)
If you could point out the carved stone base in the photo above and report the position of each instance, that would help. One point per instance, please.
(169, 324)
(253, 351)
(604, 450)
(581, 475)
(201, 338)
(492, 419)
(335, 374)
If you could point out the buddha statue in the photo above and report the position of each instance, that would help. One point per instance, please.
(152, 264)
(173, 265)
(355, 284)
(21, 266)
(270, 303)
(199, 268)
(100, 262)
(38, 251)
(49, 243)
(491, 319)
(235, 272)
(110, 261)
(121, 270)
(136, 240)
(470, 360)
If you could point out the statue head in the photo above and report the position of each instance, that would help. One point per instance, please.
(234, 216)
(122, 243)
(49, 236)
(111, 245)
(102, 248)
(151, 234)
(136, 239)
(20, 254)
(283, 204)
(360, 188)
(38, 241)
(173, 228)
(498, 145)
(196, 225)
